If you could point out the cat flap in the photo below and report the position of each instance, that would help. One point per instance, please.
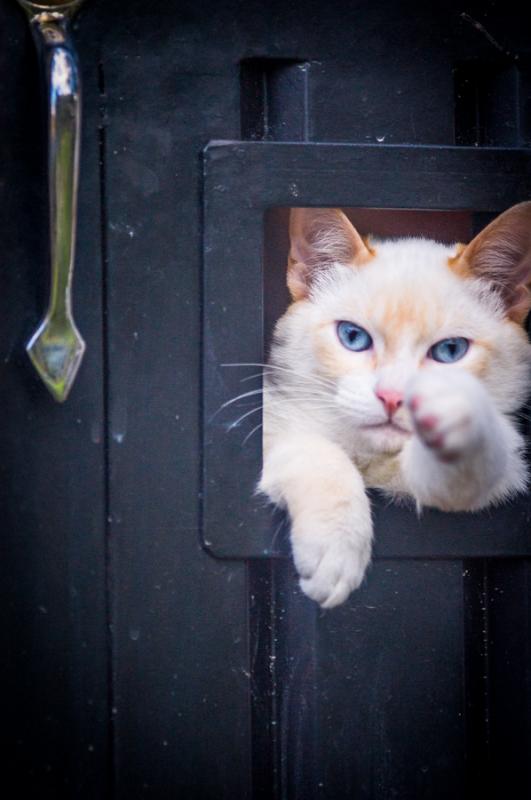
(319, 238)
(236, 290)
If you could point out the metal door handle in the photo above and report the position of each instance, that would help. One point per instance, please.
(56, 348)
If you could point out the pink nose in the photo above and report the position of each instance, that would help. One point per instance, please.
(391, 399)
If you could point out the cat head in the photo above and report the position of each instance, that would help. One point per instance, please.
(368, 315)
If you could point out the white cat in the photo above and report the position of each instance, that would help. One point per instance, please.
(399, 366)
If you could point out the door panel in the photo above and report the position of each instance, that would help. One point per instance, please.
(152, 652)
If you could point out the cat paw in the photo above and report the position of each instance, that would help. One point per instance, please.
(446, 410)
(330, 567)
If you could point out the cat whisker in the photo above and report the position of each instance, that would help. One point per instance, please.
(250, 377)
(273, 405)
(234, 400)
(240, 419)
(271, 367)
(268, 368)
(251, 433)
(307, 378)
(276, 533)
(300, 394)
(240, 397)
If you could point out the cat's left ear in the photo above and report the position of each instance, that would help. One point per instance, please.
(501, 255)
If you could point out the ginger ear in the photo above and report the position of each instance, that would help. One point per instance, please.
(501, 255)
(319, 238)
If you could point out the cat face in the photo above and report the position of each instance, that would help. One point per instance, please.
(368, 317)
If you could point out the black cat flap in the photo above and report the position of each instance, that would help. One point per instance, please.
(248, 188)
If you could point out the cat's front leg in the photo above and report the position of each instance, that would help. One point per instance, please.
(331, 527)
(465, 453)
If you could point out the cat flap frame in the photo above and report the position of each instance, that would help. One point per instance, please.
(241, 181)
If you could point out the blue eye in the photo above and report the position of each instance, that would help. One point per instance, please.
(449, 350)
(353, 337)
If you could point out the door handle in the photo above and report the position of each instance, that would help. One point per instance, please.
(56, 348)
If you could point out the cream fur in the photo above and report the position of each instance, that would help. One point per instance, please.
(319, 451)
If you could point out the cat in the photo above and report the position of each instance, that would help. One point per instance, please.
(399, 365)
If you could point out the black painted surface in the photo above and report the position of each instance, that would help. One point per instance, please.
(137, 663)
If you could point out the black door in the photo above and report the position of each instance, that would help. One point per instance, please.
(157, 642)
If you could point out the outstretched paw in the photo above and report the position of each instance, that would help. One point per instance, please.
(331, 566)
(445, 410)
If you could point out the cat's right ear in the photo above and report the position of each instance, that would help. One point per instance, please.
(319, 238)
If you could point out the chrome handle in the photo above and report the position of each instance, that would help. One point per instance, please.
(56, 348)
